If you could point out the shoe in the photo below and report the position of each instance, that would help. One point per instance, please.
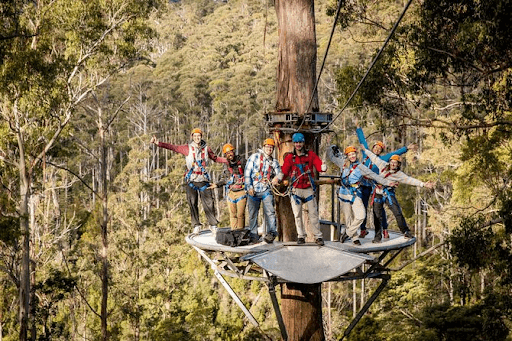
(343, 237)
(269, 238)
(254, 238)
(385, 234)
(319, 241)
(376, 240)
(301, 241)
(356, 242)
(213, 228)
(408, 235)
(363, 233)
(197, 229)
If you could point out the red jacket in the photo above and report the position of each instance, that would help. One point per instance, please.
(309, 162)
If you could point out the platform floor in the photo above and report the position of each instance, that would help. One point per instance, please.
(206, 241)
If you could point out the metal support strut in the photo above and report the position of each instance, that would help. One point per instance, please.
(364, 309)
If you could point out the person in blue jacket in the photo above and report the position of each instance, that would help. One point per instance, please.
(368, 184)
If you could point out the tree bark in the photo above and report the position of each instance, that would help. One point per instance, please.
(301, 304)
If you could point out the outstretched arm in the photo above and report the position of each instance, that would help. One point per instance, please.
(371, 174)
(375, 159)
(336, 156)
(182, 149)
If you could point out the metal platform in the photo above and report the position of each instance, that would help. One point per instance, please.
(287, 262)
(283, 120)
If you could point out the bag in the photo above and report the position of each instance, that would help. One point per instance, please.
(229, 237)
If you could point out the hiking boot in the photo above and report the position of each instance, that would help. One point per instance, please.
(319, 241)
(254, 238)
(197, 229)
(269, 238)
(343, 237)
(356, 242)
(376, 240)
(363, 233)
(408, 235)
(301, 241)
(385, 234)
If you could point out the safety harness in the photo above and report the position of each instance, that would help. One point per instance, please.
(304, 168)
(352, 188)
(236, 182)
(262, 177)
(198, 163)
(387, 193)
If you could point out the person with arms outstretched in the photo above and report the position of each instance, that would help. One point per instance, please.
(386, 195)
(197, 155)
(349, 193)
(367, 185)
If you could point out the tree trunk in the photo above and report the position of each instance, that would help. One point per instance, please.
(25, 230)
(104, 231)
(301, 304)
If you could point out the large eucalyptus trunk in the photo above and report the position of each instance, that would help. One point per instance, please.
(301, 304)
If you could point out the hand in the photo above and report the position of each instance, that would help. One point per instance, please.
(275, 181)
(323, 168)
(413, 147)
(356, 122)
(362, 146)
(154, 140)
(212, 186)
(335, 150)
(394, 184)
(251, 192)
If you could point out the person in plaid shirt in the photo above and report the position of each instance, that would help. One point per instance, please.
(261, 171)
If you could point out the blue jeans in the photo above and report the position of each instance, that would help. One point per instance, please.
(253, 206)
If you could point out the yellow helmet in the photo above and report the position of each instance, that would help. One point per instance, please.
(227, 148)
(269, 142)
(196, 131)
(396, 158)
(380, 144)
(350, 149)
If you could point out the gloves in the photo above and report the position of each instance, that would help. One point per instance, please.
(324, 167)
(335, 150)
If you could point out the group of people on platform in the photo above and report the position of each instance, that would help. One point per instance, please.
(251, 183)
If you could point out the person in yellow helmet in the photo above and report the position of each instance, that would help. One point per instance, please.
(261, 170)
(197, 155)
(367, 185)
(233, 179)
(386, 195)
(349, 192)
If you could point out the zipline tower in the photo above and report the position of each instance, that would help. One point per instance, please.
(297, 109)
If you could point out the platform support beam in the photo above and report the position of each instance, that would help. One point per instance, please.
(226, 285)
(273, 297)
(364, 309)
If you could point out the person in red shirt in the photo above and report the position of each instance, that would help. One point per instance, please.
(299, 167)
(197, 154)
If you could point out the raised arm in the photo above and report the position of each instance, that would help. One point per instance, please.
(336, 156)
(361, 137)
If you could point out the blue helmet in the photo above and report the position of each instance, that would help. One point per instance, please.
(298, 137)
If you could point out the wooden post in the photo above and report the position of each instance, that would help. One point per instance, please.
(301, 304)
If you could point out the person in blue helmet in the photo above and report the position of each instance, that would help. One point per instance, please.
(299, 166)
(367, 185)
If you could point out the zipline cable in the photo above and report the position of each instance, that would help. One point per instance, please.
(371, 66)
(338, 10)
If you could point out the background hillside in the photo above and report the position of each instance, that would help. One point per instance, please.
(85, 86)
